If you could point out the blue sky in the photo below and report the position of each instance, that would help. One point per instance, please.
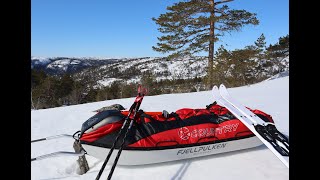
(113, 28)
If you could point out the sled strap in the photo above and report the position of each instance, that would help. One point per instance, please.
(143, 115)
(173, 114)
(210, 105)
(176, 116)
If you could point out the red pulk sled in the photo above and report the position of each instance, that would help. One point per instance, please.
(159, 136)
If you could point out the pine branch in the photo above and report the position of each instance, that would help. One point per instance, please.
(221, 2)
(222, 10)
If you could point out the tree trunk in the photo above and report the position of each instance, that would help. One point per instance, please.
(211, 49)
(32, 101)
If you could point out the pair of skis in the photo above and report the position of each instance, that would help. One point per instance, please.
(265, 131)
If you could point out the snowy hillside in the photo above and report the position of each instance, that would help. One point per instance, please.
(59, 65)
(159, 67)
(104, 71)
(271, 96)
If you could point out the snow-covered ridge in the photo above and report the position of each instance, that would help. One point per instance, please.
(132, 68)
(58, 65)
(105, 71)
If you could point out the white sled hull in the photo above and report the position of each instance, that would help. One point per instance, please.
(140, 157)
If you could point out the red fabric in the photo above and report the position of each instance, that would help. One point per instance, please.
(256, 111)
(188, 112)
(158, 117)
(101, 131)
(219, 110)
(195, 134)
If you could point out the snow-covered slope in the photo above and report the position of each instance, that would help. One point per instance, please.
(104, 71)
(160, 68)
(59, 65)
(257, 163)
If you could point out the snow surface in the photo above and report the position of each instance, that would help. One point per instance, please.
(257, 163)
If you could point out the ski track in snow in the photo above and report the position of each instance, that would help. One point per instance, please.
(270, 96)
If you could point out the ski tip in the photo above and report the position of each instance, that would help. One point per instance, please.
(215, 87)
(222, 86)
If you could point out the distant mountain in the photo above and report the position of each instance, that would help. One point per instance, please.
(133, 69)
(101, 72)
(60, 65)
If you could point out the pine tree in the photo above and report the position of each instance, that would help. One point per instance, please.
(194, 26)
(278, 51)
(222, 54)
(78, 93)
(222, 65)
(261, 43)
(284, 45)
(65, 86)
(262, 61)
(91, 96)
(243, 71)
(114, 91)
(37, 77)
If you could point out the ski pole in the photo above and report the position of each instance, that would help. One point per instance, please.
(132, 108)
(52, 137)
(60, 153)
(114, 143)
(124, 138)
